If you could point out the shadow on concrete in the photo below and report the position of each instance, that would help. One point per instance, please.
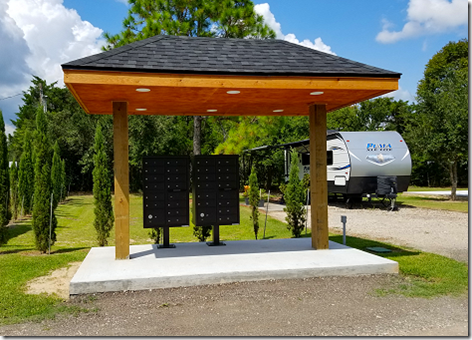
(232, 248)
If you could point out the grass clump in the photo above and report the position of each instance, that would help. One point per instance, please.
(424, 274)
(437, 203)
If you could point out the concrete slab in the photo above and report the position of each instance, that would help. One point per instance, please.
(192, 264)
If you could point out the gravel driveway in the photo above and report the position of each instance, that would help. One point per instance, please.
(333, 306)
(435, 231)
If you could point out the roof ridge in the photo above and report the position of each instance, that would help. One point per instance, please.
(118, 50)
(332, 56)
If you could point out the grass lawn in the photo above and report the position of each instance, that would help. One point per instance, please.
(426, 274)
(439, 203)
(415, 188)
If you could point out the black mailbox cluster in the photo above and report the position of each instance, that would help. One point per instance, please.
(165, 191)
(215, 190)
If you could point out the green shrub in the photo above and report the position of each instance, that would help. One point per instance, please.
(4, 184)
(56, 176)
(103, 210)
(42, 186)
(294, 199)
(26, 176)
(254, 197)
(14, 190)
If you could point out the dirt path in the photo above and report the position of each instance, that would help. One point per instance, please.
(436, 231)
(332, 306)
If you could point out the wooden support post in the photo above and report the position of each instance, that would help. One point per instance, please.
(318, 178)
(121, 169)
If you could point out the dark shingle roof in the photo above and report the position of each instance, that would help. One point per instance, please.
(178, 54)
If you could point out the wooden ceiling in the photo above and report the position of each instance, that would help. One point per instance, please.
(180, 94)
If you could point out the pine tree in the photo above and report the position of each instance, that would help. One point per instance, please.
(14, 198)
(4, 184)
(56, 176)
(26, 176)
(104, 219)
(42, 186)
(294, 199)
(254, 200)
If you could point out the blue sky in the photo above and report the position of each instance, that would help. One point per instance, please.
(398, 35)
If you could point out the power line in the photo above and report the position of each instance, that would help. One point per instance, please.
(16, 95)
(19, 94)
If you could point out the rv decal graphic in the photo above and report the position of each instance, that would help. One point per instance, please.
(334, 148)
(379, 147)
(341, 167)
(380, 159)
(334, 168)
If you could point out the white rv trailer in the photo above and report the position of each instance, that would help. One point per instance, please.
(356, 159)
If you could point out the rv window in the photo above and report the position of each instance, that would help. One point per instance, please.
(306, 158)
(329, 158)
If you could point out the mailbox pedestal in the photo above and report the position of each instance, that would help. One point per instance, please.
(216, 237)
(215, 192)
(165, 193)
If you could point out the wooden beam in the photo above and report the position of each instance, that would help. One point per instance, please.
(318, 177)
(229, 82)
(121, 170)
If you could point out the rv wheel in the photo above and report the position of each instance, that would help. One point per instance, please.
(351, 200)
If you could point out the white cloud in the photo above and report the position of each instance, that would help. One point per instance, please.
(15, 70)
(54, 35)
(269, 19)
(401, 94)
(40, 35)
(427, 17)
(9, 129)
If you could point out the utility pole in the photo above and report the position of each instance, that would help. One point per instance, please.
(42, 101)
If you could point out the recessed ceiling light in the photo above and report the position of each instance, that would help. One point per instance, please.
(233, 92)
(278, 111)
(212, 110)
(143, 90)
(316, 93)
(141, 109)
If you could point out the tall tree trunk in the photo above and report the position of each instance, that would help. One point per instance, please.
(453, 174)
(197, 131)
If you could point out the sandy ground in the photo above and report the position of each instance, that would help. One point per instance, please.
(57, 282)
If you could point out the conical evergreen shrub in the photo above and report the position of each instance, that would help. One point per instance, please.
(4, 184)
(14, 201)
(104, 218)
(56, 176)
(42, 186)
(295, 198)
(254, 200)
(26, 176)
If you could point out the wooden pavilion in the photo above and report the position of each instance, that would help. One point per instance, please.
(174, 75)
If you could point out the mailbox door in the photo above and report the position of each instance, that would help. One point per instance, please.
(165, 191)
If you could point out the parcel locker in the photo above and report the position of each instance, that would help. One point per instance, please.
(215, 190)
(166, 181)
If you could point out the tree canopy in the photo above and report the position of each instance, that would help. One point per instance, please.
(193, 18)
(439, 128)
